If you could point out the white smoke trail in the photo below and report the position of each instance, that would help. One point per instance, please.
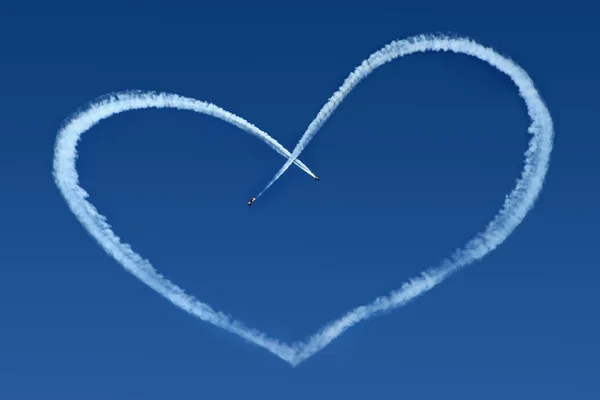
(514, 209)
(116, 103)
(66, 177)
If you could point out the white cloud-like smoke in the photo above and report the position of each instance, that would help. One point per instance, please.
(514, 209)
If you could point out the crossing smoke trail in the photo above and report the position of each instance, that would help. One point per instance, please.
(516, 205)
(66, 178)
(514, 209)
(117, 103)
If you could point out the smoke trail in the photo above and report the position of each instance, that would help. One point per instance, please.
(514, 209)
(66, 177)
(400, 48)
(116, 103)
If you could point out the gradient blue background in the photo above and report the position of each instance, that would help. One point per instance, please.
(415, 162)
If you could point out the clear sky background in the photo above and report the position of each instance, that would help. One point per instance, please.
(413, 164)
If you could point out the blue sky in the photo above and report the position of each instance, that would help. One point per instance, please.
(413, 164)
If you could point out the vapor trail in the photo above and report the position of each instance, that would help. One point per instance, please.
(116, 103)
(516, 204)
(514, 209)
(67, 179)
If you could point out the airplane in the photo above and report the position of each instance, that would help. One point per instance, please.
(316, 177)
(251, 201)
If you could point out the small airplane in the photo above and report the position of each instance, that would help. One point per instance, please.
(316, 177)
(251, 201)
